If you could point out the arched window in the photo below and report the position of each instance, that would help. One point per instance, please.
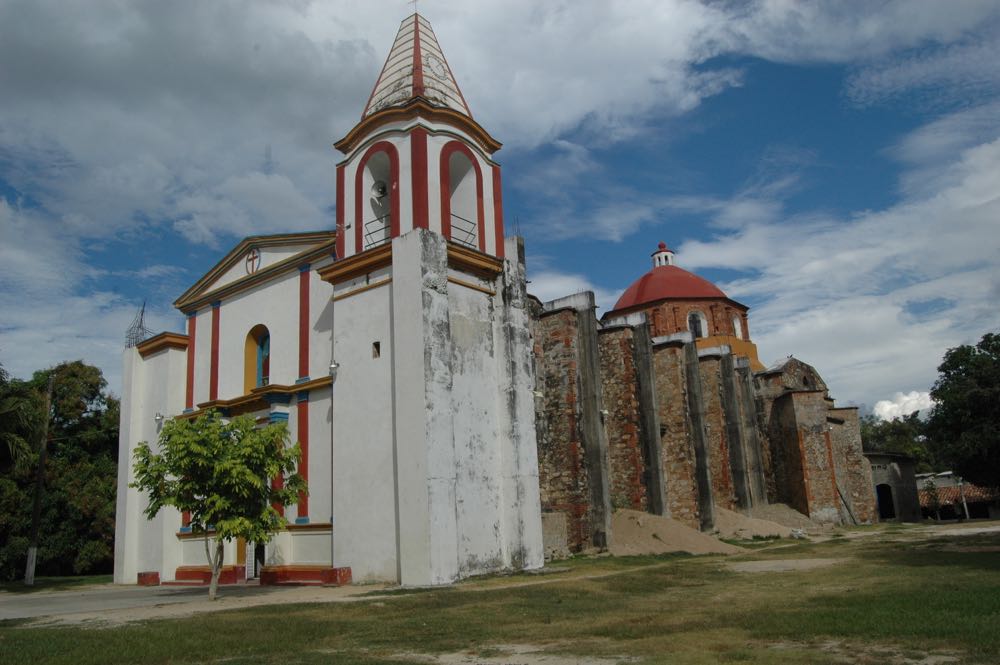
(462, 196)
(737, 327)
(698, 324)
(256, 358)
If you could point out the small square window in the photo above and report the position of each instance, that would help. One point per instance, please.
(376, 349)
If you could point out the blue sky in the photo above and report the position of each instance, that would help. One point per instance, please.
(836, 166)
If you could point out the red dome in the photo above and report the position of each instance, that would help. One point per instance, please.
(665, 283)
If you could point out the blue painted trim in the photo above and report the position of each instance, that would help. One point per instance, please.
(304, 379)
(185, 529)
(188, 410)
(302, 520)
(304, 268)
(276, 398)
(302, 396)
(193, 314)
(283, 417)
(216, 304)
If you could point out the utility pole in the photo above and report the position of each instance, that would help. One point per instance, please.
(961, 492)
(36, 511)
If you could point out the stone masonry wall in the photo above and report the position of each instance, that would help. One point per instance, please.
(622, 423)
(787, 473)
(718, 445)
(854, 473)
(817, 454)
(562, 471)
(678, 456)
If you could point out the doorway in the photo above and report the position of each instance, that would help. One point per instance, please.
(886, 508)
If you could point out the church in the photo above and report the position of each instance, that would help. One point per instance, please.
(450, 423)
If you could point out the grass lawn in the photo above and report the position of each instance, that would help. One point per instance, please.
(889, 598)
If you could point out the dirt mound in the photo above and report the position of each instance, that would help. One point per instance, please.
(783, 514)
(635, 532)
(729, 524)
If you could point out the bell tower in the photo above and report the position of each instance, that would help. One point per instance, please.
(417, 158)
(434, 467)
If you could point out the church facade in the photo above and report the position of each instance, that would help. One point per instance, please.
(445, 415)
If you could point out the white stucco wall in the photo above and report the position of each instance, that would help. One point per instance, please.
(152, 385)
(364, 500)
(477, 453)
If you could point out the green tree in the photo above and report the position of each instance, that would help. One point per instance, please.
(905, 435)
(964, 426)
(78, 503)
(221, 473)
(19, 404)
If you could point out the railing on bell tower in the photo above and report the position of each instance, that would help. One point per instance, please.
(377, 231)
(463, 231)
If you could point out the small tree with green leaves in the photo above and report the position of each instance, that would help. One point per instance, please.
(221, 473)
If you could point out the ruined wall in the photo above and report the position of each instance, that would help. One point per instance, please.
(719, 467)
(572, 448)
(677, 448)
(620, 393)
(854, 475)
(787, 471)
(806, 443)
(562, 474)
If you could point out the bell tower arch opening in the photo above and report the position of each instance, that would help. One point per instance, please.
(462, 196)
(377, 196)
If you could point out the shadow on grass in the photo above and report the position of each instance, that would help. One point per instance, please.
(56, 583)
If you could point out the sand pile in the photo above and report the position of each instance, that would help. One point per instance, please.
(729, 524)
(635, 532)
(783, 514)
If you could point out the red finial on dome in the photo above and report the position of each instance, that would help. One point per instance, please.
(662, 246)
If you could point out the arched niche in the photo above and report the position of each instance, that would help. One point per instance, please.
(256, 358)
(376, 197)
(698, 324)
(462, 196)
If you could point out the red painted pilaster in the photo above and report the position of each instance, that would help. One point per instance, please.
(192, 321)
(303, 435)
(341, 215)
(498, 210)
(418, 166)
(213, 380)
(277, 484)
(304, 322)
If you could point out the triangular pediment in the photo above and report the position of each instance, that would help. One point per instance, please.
(255, 259)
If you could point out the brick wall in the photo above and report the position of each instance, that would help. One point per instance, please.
(619, 384)
(853, 470)
(787, 471)
(562, 471)
(818, 463)
(715, 421)
(672, 317)
(678, 461)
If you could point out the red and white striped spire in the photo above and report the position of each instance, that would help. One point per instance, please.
(416, 67)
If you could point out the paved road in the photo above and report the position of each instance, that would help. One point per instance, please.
(110, 597)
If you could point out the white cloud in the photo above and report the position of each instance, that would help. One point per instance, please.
(957, 73)
(872, 300)
(903, 404)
